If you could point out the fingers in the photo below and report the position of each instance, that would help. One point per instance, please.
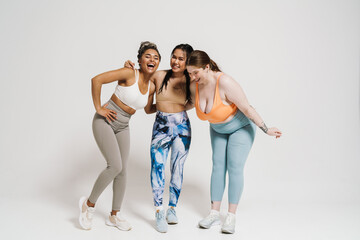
(278, 134)
(110, 116)
(113, 112)
(275, 132)
(129, 64)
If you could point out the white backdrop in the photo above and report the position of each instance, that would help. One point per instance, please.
(298, 62)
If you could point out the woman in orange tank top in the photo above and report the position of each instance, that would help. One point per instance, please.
(220, 100)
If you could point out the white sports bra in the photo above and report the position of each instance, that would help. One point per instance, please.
(131, 95)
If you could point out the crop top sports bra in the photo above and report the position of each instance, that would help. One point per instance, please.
(131, 95)
(219, 112)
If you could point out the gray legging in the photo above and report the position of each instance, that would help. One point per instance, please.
(113, 140)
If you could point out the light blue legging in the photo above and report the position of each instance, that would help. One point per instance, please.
(231, 143)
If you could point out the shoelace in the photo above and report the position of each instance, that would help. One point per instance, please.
(89, 214)
(212, 217)
(172, 211)
(120, 219)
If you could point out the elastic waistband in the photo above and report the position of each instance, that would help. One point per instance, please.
(238, 121)
(174, 118)
(170, 114)
(117, 109)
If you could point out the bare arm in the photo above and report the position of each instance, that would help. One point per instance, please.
(107, 77)
(103, 78)
(190, 105)
(234, 93)
(151, 107)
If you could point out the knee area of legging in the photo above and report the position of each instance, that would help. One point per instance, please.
(237, 170)
(218, 169)
(122, 173)
(115, 170)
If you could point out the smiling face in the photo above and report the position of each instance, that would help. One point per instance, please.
(197, 74)
(149, 61)
(178, 61)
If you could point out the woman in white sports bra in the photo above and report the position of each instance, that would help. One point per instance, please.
(111, 130)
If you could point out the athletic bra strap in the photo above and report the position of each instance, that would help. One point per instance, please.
(217, 99)
(217, 80)
(136, 76)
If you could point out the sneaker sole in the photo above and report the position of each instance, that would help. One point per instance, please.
(110, 224)
(164, 231)
(227, 231)
(217, 222)
(171, 223)
(81, 202)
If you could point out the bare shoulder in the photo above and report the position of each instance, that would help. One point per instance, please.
(158, 76)
(125, 73)
(121, 74)
(152, 88)
(227, 82)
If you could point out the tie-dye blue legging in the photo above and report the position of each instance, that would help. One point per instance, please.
(171, 130)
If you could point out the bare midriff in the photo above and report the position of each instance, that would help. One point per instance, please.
(169, 106)
(122, 105)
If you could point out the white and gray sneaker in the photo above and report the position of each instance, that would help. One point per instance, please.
(229, 224)
(118, 221)
(211, 220)
(86, 214)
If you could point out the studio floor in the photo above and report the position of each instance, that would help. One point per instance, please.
(47, 218)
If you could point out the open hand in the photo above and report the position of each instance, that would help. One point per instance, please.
(129, 64)
(110, 115)
(274, 132)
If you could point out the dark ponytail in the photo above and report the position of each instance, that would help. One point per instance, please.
(187, 49)
(188, 93)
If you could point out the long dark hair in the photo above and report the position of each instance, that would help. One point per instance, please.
(187, 49)
(200, 59)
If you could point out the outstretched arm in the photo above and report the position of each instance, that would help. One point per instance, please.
(234, 93)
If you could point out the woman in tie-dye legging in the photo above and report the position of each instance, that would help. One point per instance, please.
(171, 131)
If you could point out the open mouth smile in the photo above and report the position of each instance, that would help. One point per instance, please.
(151, 66)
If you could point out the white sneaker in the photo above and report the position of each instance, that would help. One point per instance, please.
(118, 221)
(229, 224)
(86, 214)
(211, 220)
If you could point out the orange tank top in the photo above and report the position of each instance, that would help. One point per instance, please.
(219, 112)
